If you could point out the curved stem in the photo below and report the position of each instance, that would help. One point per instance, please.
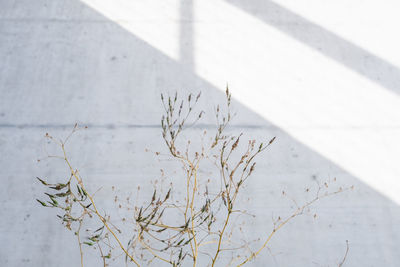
(220, 239)
(140, 238)
(103, 220)
(187, 208)
(79, 241)
(192, 214)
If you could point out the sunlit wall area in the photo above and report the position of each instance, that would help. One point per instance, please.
(327, 76)
(321, 76)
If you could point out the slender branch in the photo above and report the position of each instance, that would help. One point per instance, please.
(140, 238)
(220, 239)
(298, 211)
(79, 241)
(345, 254)
(103, 220)
(102, 255)
(192, 214)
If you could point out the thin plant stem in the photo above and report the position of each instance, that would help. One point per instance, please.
(103, 220)
(79, 241)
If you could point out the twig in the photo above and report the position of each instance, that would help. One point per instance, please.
(345, 254)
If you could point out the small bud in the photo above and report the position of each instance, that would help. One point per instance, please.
(198, 96)
(272, 140)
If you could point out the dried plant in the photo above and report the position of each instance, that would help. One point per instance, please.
(196, 229)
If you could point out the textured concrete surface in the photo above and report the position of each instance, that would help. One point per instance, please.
(322, 76)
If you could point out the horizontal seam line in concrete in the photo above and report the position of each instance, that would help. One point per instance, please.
(197, 126)
(41, 20)
(23, 20)
(114, 126)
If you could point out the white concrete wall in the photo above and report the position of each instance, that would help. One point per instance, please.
(322, 76)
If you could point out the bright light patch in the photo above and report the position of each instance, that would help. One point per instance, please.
(155, 22)
(325, 105)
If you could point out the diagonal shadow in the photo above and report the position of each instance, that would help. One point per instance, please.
(324, 41)
(107, 77)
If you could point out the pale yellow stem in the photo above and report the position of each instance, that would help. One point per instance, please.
(103, 220)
